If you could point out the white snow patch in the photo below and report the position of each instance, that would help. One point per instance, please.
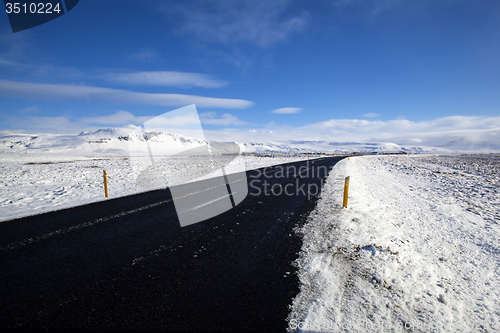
(36, 183)
(46, 172)
(417, 249)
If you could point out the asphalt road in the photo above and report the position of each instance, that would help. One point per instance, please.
(127, 264)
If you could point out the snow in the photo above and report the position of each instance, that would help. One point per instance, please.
(417, 249)
(111, 141)
(47, 172)
(44, 172)
(36, 183)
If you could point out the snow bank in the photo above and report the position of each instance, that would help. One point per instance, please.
(417, 249)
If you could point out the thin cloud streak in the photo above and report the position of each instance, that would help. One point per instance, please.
(146, 55)
(89, 93)
(167, 78)
(30, 109)
(210, 118)
(118, 118)
(287, 111)
(261, 23)
(28, 123)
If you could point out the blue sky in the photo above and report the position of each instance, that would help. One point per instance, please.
(356, 70)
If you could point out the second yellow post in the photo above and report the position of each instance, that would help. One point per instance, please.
(346, 191)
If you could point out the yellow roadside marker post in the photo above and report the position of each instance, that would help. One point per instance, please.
(105, 183)
(346, 191)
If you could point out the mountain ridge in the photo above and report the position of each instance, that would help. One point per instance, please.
(121, 140)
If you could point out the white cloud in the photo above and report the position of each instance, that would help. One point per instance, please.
(118, 118)
(146, 55)
(7, 62)
(178, 121)
(260, 23)
(435, 132)
(89, 93)
(62, 124)
(401, 131)
(30, 109)
(370, 115)
(372, 9)
(28, 122)
(165, 78)
(15, 49)
(482, 130)
(227, 119)
(287, 110)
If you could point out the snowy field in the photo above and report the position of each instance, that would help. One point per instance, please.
(36, 183)
(417, 249)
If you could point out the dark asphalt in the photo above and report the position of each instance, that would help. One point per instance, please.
(127, 264)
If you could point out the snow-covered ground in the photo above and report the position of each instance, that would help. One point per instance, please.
(417, 249)
(40, 182)
(46, 172)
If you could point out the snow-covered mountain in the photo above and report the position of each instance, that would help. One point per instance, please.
(333, 147)
(465, 144)
(120, 140)
(107, 141)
